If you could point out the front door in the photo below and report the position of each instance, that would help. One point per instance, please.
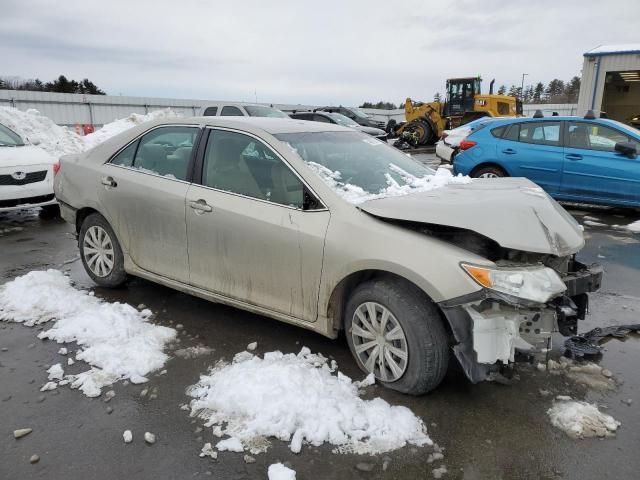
(249, 236)
(143, 192)
(593, 170)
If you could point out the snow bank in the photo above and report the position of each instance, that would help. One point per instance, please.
(581, 419)
(297, 398)
(115, 338)
(278, 471)
(36, 129)
(39, 130)
(355, 194)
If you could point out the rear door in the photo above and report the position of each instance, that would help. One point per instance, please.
(143, 194)
(534, 150)
(593, 170)
(250, 237)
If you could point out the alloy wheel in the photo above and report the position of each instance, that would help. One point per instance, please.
(379, 341)
(488, 175)
(98, 251)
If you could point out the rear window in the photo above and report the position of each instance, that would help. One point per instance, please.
(210, 111)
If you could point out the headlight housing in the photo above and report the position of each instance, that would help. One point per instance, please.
(537, 284)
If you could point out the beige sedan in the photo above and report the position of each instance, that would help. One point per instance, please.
(329, 229)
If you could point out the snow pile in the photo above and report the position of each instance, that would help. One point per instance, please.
(115, 338)
(581, 419)
(586, 373)
(36, 129)
(634, 227)
(297, 398)
(110, 129)
(412, 184)
(278, 471)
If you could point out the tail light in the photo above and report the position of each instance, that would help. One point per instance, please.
(467, 144)
(56, 168)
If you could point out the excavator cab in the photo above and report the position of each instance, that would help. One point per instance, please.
(460, 95)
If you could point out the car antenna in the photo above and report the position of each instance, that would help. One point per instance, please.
(538, 114)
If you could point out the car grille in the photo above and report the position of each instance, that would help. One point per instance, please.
(15, 202)
(31, 177)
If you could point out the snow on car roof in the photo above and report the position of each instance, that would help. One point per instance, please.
(612, 49)
(273, 125)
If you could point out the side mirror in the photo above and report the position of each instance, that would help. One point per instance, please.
(626, 148)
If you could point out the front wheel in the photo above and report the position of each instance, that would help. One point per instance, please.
(100, 252)
(490, 171)
(395, 332)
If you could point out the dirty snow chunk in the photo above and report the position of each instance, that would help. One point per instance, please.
(150, 438)
(368, 381)
(634, 227)
(439, 472)
(63, 351)
(56, 372)
(21, 432)
(297, 398)
(208, 451)
(49, 386)
(116, 339)
(252, 346)
(70, 361)
(231, 444)
(278, 471)
(581, 419)
(412, 184)
(127, 436)
(193, 352)
(591, 223)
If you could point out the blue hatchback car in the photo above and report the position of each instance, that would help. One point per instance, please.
(585, 160)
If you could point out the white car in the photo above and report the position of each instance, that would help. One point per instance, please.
(447, 147)
(26, 175)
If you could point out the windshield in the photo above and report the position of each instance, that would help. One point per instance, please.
(361, 168)
(342, 120)
(262, 111)
(627, 128)
(358, 112)
(9, 138)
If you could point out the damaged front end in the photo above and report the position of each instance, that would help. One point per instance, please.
(518, 308)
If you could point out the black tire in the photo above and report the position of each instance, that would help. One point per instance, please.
(488, 171)
(426, 337)
(49, 212)
(117, 275)
(423, 130)
(391, 127)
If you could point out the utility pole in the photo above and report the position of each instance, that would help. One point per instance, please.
(522, 87)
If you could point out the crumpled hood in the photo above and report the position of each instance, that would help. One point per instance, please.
(24, 156)
(514, 212)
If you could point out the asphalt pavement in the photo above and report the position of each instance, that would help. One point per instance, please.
(486, 431)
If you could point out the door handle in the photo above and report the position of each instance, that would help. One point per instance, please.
(200, 205)
(573, 156)
(109, 182)
(509, 151)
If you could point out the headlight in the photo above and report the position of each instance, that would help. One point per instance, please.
(537, 284)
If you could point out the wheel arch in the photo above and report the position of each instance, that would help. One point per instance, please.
(343, 289)
(489, 164)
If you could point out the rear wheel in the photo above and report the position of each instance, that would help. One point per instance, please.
(489, 171)
(395, 332)
(100, 252)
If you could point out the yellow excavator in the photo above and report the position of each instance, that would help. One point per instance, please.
(464, 102)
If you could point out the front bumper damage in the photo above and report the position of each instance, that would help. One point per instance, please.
(489, 328)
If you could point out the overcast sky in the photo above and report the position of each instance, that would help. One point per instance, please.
(322, 51)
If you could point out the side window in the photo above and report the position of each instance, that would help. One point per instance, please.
(498, 132)
(540, 133)
(321, 118)
(513, 133)
(238, 163)
(593, 136)
(303, 116)
(231, 111)
(125, 157)
(210, 111)
(166, 151)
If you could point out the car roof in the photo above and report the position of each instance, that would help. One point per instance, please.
(268, 124)
(550, 118)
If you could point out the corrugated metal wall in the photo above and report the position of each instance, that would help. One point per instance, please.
(594, 72)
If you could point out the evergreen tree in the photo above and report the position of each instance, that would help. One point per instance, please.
(538, 92)
(502, 90)
(555, 91)
(572, 89)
